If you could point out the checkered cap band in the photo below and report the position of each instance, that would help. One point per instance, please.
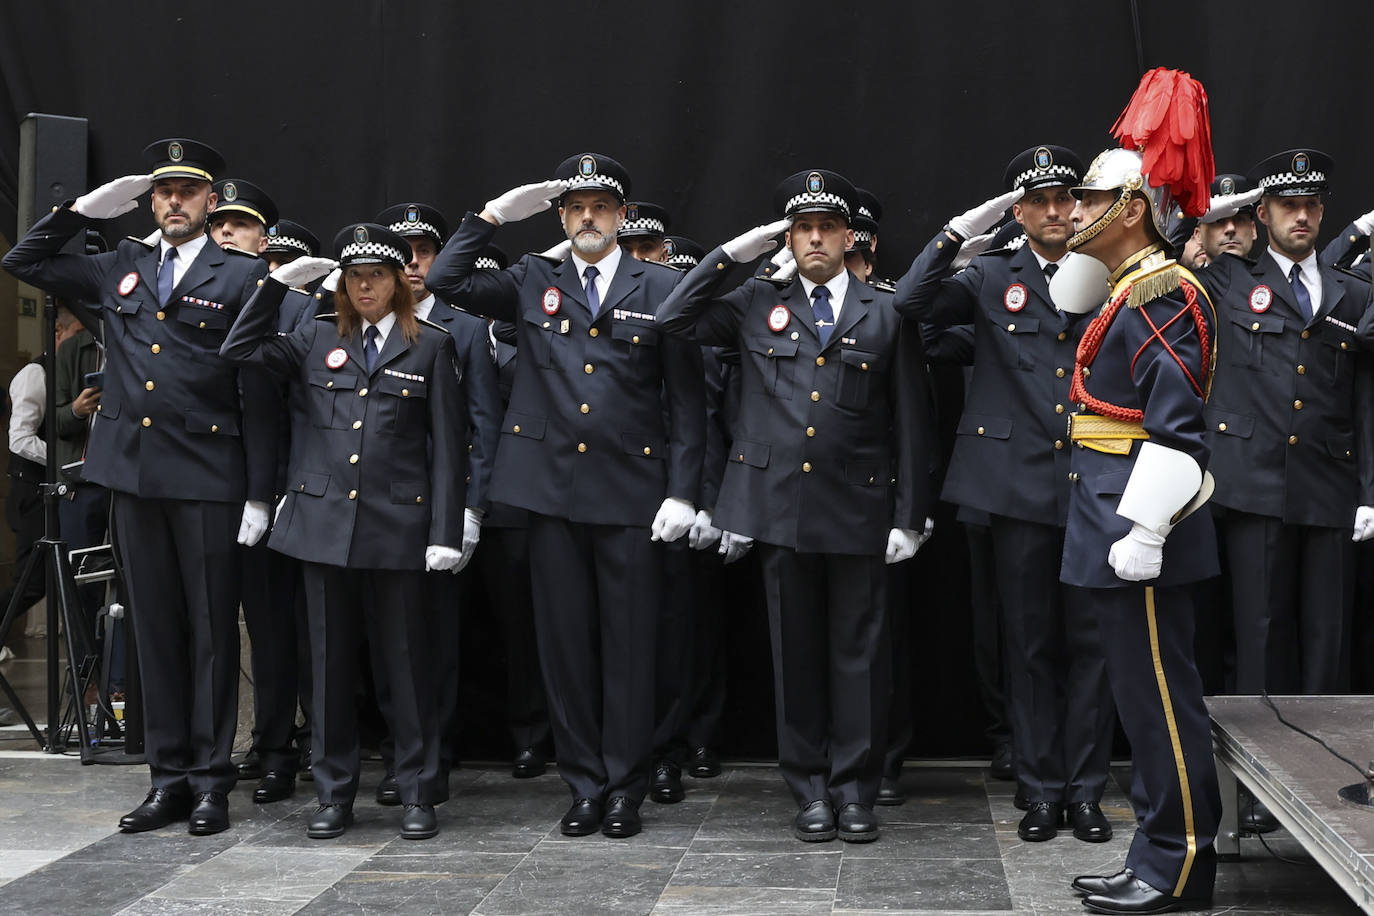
(595, 181)
(862, 237)
(405, 228)
(808, 199)
(286, 241)
(647, 224)
(486, 263)
(1291, 178)
(374, 250)
(864, 211)
(682, 260)
(1058, 171)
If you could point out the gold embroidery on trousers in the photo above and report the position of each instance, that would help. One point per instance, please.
(1189, 830)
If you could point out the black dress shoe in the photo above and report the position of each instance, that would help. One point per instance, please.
(1003, 764)
(1102, 884)
(419, 822)
(856, 824)
(274, 786)
(160, 808)
(1089, 823)
(704, 763)
(583, 818)
(667, 785)
(210, 815)
(528, 764)
(388, 791)
(1040, 823)
(1020, 801)
(815, 823)
(250, 767)
(1255, 817)
(1135, 896)
(303, 771)
(329, 821)
(621, 819)
(890, 792)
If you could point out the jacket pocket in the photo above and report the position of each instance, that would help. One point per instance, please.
(776, 360)
(754, 454)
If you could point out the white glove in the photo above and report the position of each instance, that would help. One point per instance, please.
(1139, 555)
(558, 252)
(971, 249)
(757, 241)
(439, 558)
(254, 523)
(1364, 523)
(901, 545)
(472, 533)
(703, 533)
(114, 198)
(984, 216)
(733, 546)
(924, 534)
(302, 270)
(525, 201)
(787, 264)
(1365, 223)
(1225, 206)
(276, 513)
(674, 519)
(331, 282)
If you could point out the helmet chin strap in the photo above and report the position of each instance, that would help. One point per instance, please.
(1093, 229)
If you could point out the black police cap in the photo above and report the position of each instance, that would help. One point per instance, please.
(644, 219)
(869, 206)
(369, 243)
(415, 220)
(1043, 167)
(865, 229)
(816, 191)
(491, 258)
(182, 157)
(1294, 172)
(683, 253)
(594, 172)
(239, 196)
(287, 237)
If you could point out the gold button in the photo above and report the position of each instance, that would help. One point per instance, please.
(981, 430)
(1073, 476)
(202, 324)
(811, 430)
(161, 315)
(352, 459)
(97, 407)
(214, 427)
(720, 266)
(259, 283)
(1292, 440)
(362, 392)
(156, 348)
(1221, 427)
(147, 421)
(357, 424)
(1062, 335)
(940, 244)
(319, 295)
(1058, 443)
(1354, 238)
(820, 360)
(302, 488)
(149, 385)
(546, 324)
(589, 368)
(329, 384)
(635, 339)
(1059, 373)
(863, 366)
(593, 332)
(1305, 334)
(1302, 370)
(815, 395)
(352, 494)
(1345, 345)
(581, 446)
(1058, 408)
(1297, 405)
(1255, 326)
(796, 335)
(585, 409)
(1011, 327)
(806, 467)
(770, 351)
(647, 450)
(405, 392)
(515, 428)
(1087, 372)
(419, 499)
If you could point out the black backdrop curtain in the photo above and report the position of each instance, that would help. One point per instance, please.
(340, 108)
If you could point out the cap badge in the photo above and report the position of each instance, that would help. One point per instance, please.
(360, 235)
(175, 152)
(1301, 163)
(1043, 158)
(1260, 298)
(586, 167)
(273, 230)
(1015, 297)
(127, 284)
(632, 212)
(231, 191)
(815, 183)
(336, 358)
(669, 248)
(553, 300)
(1228, 185)
(412, 214)
(779, 318)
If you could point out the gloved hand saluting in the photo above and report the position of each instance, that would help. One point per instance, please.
(754, 243)
(674, 519)
(303, 270)
(558, 252)
(524, 201)
(114, 198)
(984, 216)
(1225, 206)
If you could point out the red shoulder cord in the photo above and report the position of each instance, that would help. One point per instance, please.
(1091, 343)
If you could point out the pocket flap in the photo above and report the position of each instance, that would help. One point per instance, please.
(336, 381)
(1112, 483)
(638, 335)
(754, 454)
(773, 346)
(210, 319)
(1259, 324)
(972, 424)
(409, 493)
(643, 444)
(867, 473)
(524, 424)
(310, 484)
(1341, 447)
(209, 422)
(863, 360)
(400, 387)
(1018, 325)
(1229, 423)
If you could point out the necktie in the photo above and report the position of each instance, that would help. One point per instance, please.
(1300, 291)
(825, 315)
(165, 275)
(370, 347)
(593, 298)
(1050, 270)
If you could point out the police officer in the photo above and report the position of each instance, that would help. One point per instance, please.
(242, 216)
(184, 439)
(288, 240)
(374, 500)
(586, 448)
(1228, 226)
(1350, 249)
(827, 474)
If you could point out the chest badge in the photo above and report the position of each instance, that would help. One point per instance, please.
(779, 318)
(1015, 297)
(336, 358)
(1261, 297)
(127, 284)
(553, 301)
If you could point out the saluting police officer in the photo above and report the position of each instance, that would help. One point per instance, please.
(828, 474)
(183, 438)
(589, 449)
(288, 240)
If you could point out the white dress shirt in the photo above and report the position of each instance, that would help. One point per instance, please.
(838, 285)
(28, 392)
(384, 326)
(186, 256)
(1311, 274)
(424, 307)
(605, 271)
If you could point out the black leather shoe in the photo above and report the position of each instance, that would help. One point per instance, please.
(1089, 823)
(1256, 817)
(419, 822)
(583, 818)
(1135, 896)
(815, 823)
(388, 791)
(329, 821)
(210, 815)
(160, 808)
(274, 786)
(856, 824)
(622, 818)
(528, 764)
(890, 792)
(704, 763)
(1102, 884)
(1040, 823)
(1003, 764)
(1019, 801)
(304, 772)
(667, 785)
(250, 767)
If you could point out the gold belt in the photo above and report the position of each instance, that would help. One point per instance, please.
(1105, 434)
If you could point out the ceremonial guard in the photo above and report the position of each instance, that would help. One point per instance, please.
(828, 474)
(374, 499)
(184, 441)
(1134, 548)
(602, 444)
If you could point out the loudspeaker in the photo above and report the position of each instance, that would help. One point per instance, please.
(52, 168)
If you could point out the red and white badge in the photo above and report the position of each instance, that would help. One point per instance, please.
(553, 301)
(1015, 297)
(1261, 297)
(336, 358)
(779, 318)
(127, 284)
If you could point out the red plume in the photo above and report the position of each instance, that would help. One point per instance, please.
(1167, 121)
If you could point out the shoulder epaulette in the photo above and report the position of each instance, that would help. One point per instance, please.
(1152, 282)
(430, 324)
(886, 286)
(232, 249)
(144, 242)
(545, 258)
(780, 284)
(327, 316)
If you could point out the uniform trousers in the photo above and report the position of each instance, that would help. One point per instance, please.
(1158, 695)
(596, 592)
(827, 619)
(708, 673)
(390, 607)
(504, 562)
(274, 614)
(989, 646)
(1292, 590)
(181, 566)
(1056, 677)
(900, 722)
(674, 654)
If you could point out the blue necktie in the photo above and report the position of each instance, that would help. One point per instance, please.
(593, 297)
(825, 315)
(370, 347)
(165, 275)
(1300, 291)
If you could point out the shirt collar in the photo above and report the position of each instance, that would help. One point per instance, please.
(424, 307)
(384, 326)
(1040, 259)
(1308, 264)
(605, 268)
(186, 251)
(838, 286)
